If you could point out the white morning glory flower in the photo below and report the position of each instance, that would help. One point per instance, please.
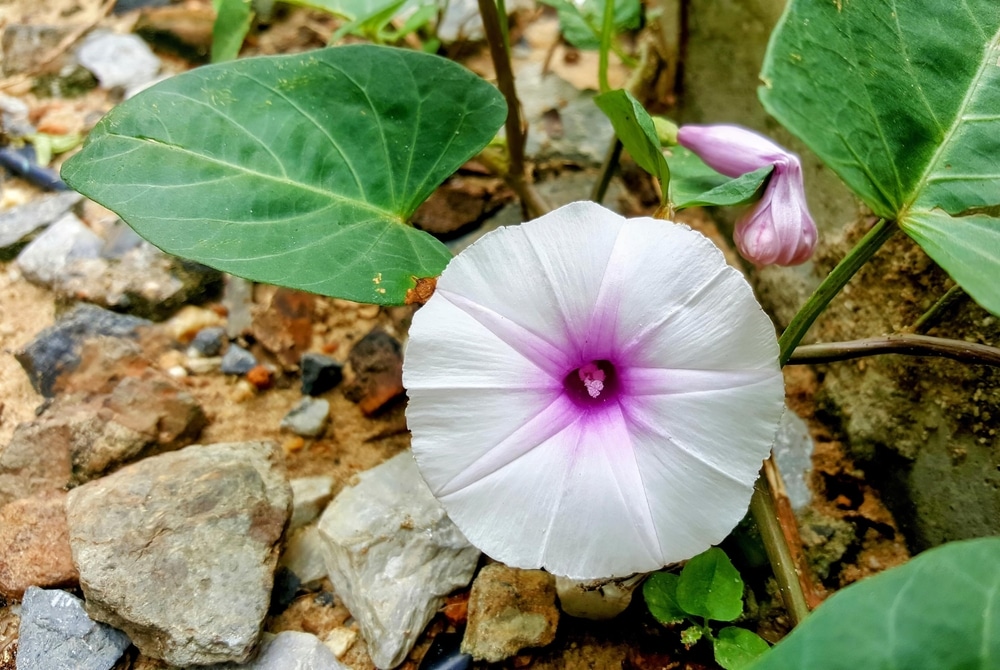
(592, 395)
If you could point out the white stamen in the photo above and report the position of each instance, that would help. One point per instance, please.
(594, 387)
(593, 378)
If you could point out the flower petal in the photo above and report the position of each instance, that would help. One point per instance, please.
(730, 150)
(593, 519)
(559, 261)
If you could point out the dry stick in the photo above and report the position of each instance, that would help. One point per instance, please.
(913, 345)
(532, 204)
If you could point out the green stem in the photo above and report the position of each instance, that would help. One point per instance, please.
(607, 170)
(944, 302)
(832, 285)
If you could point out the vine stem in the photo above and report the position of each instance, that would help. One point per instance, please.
(781, 539)
(832, 285)
(532, 202)
(926, 320)
(914, 345)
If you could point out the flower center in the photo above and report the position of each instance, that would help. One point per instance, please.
(593, 383)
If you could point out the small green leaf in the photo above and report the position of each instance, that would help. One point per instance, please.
(301, 170)
(636, 130)
(581, 21)
(939, 610)
(736, 648)
(902, 100)
(232, 23)
(692, 183)
(660, 593)
(709, 586)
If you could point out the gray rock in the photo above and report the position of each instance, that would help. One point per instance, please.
(119, 240)
(563, 122)
(237, 360)
(290, 650)
(47, 256)
(142, 281)
(793, 449)
(309, 496)
(393, 554)
(26, 46)
(237, 298)
(319, 373)
(18, 225)
(15, 121)
(208, 342)
(510, 609)
(57, 634)
(118, 60)
(304, 556)
(308, 418)
(596, 598)
(55, 351)
(179, 550)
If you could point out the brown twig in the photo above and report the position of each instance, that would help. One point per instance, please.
(532, 204)
(912, 345)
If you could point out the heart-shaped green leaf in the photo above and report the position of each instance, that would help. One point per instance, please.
(736, 648)
(902, 100)
(693, 183)
(940, 610)
(634, 127)
(296, 170)
(660, 594)
(709, 586)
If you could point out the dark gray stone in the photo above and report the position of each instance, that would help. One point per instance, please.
(208, 341)
(56, 350)
(179, 550)
(237, 360)
(19, 225)
(57, 634)
(320, 373)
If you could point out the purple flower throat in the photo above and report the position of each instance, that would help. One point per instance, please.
(593, 383)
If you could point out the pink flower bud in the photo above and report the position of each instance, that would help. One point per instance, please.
(778, 229)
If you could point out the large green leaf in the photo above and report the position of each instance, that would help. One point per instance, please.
(902, 100)
(294, 170)
(941, 610)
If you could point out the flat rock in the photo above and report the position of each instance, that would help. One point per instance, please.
(285, 326)
(303, 555)
(57, 634)
(124, 61)
(34, 545)
(142, 281)
(793, 450)
(308, 418)
(80, 437)
(56, 351)
(509, 610)
(393, 554)
(19, 225)
(290, 650)
(309, 496)
(377, 362)
(44, 260)
(179, 550)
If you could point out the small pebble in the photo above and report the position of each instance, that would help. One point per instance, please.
(237, 360)
(208, 342)
(293, 444)
(261, 377)
(203, 366)
(243, 391)
(319, 373)
(308, 418)
(189, 321)
(340, 640)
